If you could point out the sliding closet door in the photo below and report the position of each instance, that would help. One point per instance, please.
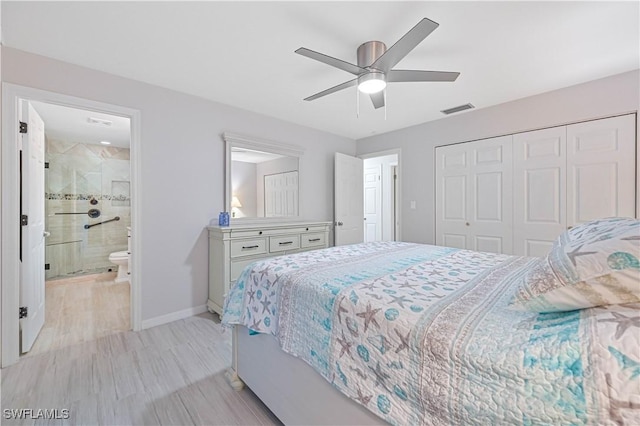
(473, 195)
(601, 169)
(539, 187)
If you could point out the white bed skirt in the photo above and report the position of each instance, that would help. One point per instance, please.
(292, 390)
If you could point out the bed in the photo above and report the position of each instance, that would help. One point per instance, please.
(416, 334)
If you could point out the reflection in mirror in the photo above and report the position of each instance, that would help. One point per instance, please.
(263, 184)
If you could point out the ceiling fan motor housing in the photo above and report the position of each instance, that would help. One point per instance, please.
(369, 52)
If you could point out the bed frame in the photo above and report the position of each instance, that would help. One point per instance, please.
(291, 389)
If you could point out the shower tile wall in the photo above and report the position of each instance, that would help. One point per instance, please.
(77, 173)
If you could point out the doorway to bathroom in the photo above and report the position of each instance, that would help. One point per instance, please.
(70, 266)
(87, 222)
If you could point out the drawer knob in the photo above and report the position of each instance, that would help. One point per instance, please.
(284, 243)
(311, 240)
(249, 247)
(260, 233)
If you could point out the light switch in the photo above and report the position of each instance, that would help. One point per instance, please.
(413, 204)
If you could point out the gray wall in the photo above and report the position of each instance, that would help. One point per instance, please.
(596, 99)
(182, 168)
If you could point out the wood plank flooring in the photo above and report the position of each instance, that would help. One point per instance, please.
(172, 374)
(82, 309)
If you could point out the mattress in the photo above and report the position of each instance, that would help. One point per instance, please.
(422, 334)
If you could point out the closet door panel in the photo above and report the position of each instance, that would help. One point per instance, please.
(539, 162)
(473, 195)
(489, 244)
(454, 240)
(490, 195)
(601, 169)
(452, 181)
(454, 198)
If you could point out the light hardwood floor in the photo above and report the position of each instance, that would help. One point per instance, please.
(81, 309)
(172, 374)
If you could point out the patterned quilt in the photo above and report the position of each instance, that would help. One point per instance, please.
(422, 335)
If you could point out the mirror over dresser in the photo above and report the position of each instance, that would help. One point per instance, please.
(262, 194)
(262, 178)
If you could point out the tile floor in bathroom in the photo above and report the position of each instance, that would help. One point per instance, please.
(82, 309)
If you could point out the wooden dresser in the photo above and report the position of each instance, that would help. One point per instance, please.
(232, 248)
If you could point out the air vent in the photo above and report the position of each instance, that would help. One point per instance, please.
(99, 121)
(457, 109)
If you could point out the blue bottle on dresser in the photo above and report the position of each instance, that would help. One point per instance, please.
(223, 219)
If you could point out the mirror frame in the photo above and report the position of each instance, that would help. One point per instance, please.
(249, 142)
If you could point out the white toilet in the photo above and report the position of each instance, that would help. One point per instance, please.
(121, 258)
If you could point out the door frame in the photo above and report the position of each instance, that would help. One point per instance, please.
(398, 152)
(9, 218)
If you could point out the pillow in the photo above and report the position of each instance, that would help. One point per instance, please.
(593, 264)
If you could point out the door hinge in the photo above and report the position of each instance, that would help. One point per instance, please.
(47, 266)
(23, 312)
(24, 220)
(23, 127)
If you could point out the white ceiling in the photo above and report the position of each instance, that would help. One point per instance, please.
(242, 53)
(72, 125)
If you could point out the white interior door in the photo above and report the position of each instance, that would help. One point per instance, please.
(372, 203)
(452, 180)
(348, 203)
(32, 291)
(490, 195)
(474, 195)
(601, 169)
(281, 194)
(540, 184)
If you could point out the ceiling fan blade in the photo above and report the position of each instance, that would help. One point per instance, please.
(329, 60)
(377, 99)
(405, 45)
(332, 90)
(397, 76)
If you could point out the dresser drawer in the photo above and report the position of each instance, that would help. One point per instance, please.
(284, 242)
(316, 229)
(247, 234)
(248, 247)
(313, 240)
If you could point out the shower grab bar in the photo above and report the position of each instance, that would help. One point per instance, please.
(92, 213)
(100, 223)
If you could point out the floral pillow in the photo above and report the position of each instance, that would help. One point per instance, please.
(593, 264)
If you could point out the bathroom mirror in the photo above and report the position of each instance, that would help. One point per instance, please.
(261, 178)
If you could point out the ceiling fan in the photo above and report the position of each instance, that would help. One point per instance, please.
(375, 62)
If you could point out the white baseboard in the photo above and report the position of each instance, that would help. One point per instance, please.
(173, 316)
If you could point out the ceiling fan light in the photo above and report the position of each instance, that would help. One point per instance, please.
(373, 82)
